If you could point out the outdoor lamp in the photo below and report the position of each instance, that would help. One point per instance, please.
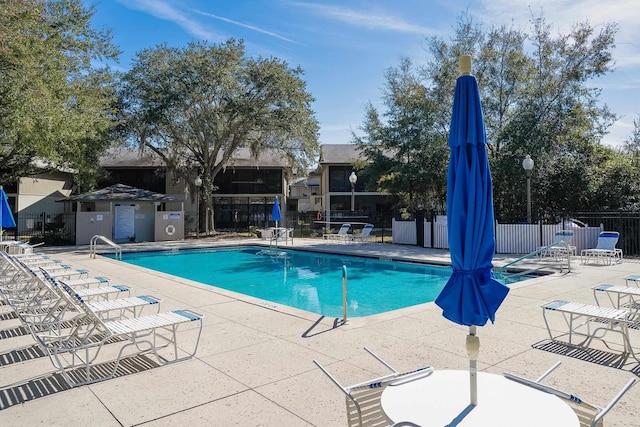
(197, 182)
(353, 179)
(527, 164)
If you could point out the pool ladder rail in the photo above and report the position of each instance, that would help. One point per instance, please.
(500, 274)
(94, 243)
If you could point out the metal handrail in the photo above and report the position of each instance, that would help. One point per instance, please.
(535, 253)
(94, 243)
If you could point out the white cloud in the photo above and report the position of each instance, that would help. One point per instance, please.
(240, 24)
(382, 21)
(163, 10)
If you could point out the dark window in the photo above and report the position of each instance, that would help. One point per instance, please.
(145, 179)
(339, 178)
(249, 181)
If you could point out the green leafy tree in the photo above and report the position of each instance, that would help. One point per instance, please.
(407, 152)
(194, 106)
(56, 106)
(535, 101)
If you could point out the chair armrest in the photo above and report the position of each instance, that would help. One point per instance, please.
(613, 401)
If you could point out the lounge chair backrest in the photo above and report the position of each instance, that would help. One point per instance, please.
(607, 240)
(344, 229)
(564, 236)
(366, 230)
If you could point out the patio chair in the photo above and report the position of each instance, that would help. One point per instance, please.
(365, 234)
(561, 246)
(363, 399)
(605, 251)
(75, 353)
(589, 415)
(342, 234)
(580, 318)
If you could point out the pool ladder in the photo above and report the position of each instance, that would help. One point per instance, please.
(94, 243)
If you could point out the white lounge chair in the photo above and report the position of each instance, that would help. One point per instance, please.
(342, 234)
(363, 399)
(590, 322)
(589, 415)
(14, 247)
(76, 352)
(64, 271)
(605, 251)
(626, 297)
(365, 234)
(561, 246)
(634, 278)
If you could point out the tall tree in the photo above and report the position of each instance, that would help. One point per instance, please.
(56, 106)
(407, 152)
(537, 100)
(194, 106)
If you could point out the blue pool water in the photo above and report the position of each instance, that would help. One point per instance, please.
(309, 281)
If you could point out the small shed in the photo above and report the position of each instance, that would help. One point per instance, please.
(127, 214)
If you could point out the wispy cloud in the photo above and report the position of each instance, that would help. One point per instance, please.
(240, 24)
(163, 10)
(357, 18)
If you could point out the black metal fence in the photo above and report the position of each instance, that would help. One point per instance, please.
(626, 223)
(60, 228)
(310, 224)
(53, 229)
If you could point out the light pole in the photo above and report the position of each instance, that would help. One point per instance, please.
(527, 164)
(197, 182)
(353, 179)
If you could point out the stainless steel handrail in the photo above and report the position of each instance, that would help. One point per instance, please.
(94, 243)
(543, 249)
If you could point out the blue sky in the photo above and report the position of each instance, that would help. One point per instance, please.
(344, 47)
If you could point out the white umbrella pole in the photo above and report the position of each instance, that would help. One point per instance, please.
(473, 347)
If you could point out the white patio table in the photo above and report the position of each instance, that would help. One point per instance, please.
(442, 399)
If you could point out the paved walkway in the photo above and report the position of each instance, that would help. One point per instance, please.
(254, 364)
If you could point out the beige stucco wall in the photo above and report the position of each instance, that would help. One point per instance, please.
(39, 193)
(169, 225)
(88, 224)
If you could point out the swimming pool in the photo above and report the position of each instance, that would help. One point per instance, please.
(310, 281)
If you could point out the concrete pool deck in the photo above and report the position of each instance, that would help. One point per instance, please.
(254, 363)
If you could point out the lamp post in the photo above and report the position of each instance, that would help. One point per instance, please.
(353, 179)
(197, 182)
(527, 164)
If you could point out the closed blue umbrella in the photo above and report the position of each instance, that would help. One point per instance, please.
(275, 215)
(275, 212)
(471, 296)
(6, 217)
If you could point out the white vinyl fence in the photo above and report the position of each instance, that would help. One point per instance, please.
(510, 238)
